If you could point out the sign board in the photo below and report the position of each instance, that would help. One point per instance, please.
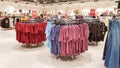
(34, 14)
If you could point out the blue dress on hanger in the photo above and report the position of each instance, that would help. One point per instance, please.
(112, 58)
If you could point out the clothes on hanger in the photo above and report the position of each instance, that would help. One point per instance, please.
(47, 32)
(30, 33)
(67, 39)
(112, 47)
(97, 29)
(11, 22)
(5, 23)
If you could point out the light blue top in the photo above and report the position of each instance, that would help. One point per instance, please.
(47, 32)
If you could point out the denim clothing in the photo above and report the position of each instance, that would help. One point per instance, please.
(112, 57)
(54, 36)
(47, 32)
(57, 38)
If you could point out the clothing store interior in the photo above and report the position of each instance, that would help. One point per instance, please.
(59, 33)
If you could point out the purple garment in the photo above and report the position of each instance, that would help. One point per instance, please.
(55, 45)
(68, 40)
(52, 38)
(57, 38)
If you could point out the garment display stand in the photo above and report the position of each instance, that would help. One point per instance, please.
(60, 35)
(30, 33)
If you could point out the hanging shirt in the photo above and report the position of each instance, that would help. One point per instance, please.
(11, 22)
(47, 32)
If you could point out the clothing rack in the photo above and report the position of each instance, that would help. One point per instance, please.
(31, 35)
(32, 45)
(54, 32)
(95, 25)
(100, 29)
(68, 22)
(32, 21)
(5, 23)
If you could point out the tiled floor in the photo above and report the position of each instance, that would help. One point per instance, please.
(12, 55)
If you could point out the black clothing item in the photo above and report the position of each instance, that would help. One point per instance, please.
(94, 32)
(79, 17)
(118, 5)
(103, 28)
(104, 52)
(5, 23)
(97, 29)
(13, 20)
(17, 20)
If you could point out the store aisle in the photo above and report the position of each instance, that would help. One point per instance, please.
(12, 55)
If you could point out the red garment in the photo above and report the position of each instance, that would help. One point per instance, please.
(31, 33)
(73, 39)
